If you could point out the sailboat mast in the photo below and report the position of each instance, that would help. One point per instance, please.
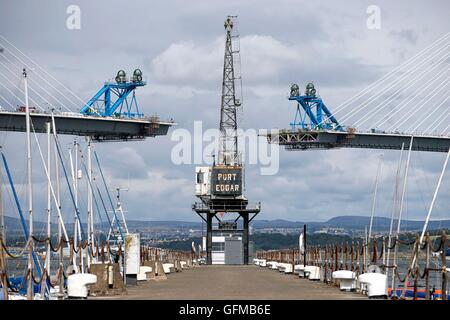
(394, 206)
(397, 234)
(3, 279)
(90, 195)
(434, 198)
(2, 213)
(380, 164)
(29, 187)
(374, 201)
(77, 228)
(58, 199)
(49, 201)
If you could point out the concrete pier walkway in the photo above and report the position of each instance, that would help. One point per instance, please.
(233, 282)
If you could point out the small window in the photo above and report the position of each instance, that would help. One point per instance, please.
(200, 177)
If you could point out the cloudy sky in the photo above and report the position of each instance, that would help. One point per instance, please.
(179, 47)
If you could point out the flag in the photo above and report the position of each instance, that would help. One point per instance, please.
(301, 243)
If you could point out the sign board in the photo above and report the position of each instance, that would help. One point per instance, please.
(132, 253)
(226, 181)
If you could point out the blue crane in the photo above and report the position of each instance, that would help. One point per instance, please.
(320, 117)
(112, 100)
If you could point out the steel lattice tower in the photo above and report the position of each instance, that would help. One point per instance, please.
(228, 147)
(219, 187)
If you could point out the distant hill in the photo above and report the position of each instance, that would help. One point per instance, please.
(382, 223)
(163, 224)
(356, 223)
(277, 223)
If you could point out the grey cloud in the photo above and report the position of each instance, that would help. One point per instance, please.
(321, 41)
(406, 35)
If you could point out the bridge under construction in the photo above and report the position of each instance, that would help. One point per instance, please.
(99, 128)
(329, 139)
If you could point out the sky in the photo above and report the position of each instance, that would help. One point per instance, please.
(179, 47)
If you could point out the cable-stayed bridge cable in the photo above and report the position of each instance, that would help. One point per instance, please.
(435, 109)
(346, 103)
(401, 78)
(410, 83)
(435, 91)
(43, 70)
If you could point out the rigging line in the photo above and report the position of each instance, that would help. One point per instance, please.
(390, 73)
(436, 125)
(50, 184)
(376, 110)
(19, 209)
(77, 200)
(31, 99)
(38, 85)
(42, 78)
(404, 188)
(418, 109)
(394, 204)
(91, 185)
(58, 148)
(104, 206)
(397, 81)
(436, 191)
(107, 192)
(380, 165)
(418, 179)
(434, 196)
(435, 108)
